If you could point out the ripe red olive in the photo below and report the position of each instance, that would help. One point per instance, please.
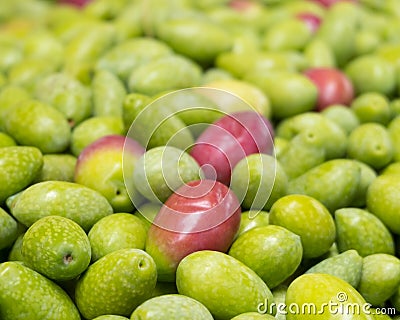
(76, 3)
(311, 20)
(334, 87)
(233, 137)
(329, 3)
(200, 215)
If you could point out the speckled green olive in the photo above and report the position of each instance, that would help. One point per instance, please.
(383, 200)
(172, 307)
(34, 123)
(302, 153)
(108, 93)
(371, 144)
(19, 166)
(240, 64)
(308, 218)
(15, 251)
(389, 52)
(155, 124)
(252, 219)
(45, 46)
(360, 230)
(123, 58)
(197, 107)
(334, 183)
(253, 97)
(318, 131)
(28, 72)
(116, 283)
(9, 96)
(9, 229)
(258, 180)
(110, 317)
(279, 85)
(56, 247)
(215, 74)
(290, 34)
(226, 286)
(280, 145)
(334, 297)
(380, 278)
(36, 299)
(394, 106)
(10, 55)
(391, 169)
(319, 54)
(395, 299)
(273, 252)
(67, 95)
(104, 9)
(89, 44)
(371, 73)
(167, 73)
(92, 129)
(346, 266)
(128, 22)
(114, 232)
(366, 42)
(394, 132)
(3, 80)
(253, 316)
(338, 31)
(132, 105)
(57, 167)
(367, 175)
(372, 107)
(67, 199)
(211, 38)
(343, 116)
(6, 140)
(162, 170)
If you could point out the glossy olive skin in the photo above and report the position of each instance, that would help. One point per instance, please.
(19, 167)
(346, 265)
(334, 87)
(259, 180)
(278, 84)
(258, 249)
(160, 171)
(383, 202)
(200, 215)
(315, 242)
(243, 290)
(379, 72)
(371, 144)
(317, 182)
(372, 107)
(173, 307)
(360, 230)
(23, 121)
(377, 286)
(108, 287)
(211, 38)
(50, 255)
(17, 302)
(331, 289)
